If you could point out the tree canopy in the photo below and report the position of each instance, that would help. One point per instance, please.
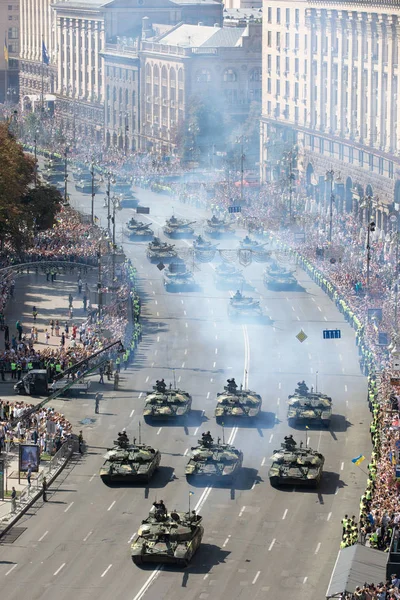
(23, 208)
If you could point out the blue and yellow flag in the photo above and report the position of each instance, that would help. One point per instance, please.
(358, 459)
(6, 56)
(191, 493)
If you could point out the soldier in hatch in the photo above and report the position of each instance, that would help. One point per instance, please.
(232, 385)
(289, 442)
(206, 439)
(161, 386)
(237, 296)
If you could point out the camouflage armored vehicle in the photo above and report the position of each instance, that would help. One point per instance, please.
(178, 227)
(279, 278)
(167, 537)
(248, 244)
(138, 228)
(158, 250)
(177, 277)
(294, 465)
(228, 276)
(234, 402)
(129, 463)
(309, 408)
(200, 244)
(244, 306)
(166, 403)
(217, 227)
(213, 461)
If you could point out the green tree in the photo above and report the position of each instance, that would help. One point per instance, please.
(41, 205)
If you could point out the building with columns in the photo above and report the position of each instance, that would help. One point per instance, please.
(330, 87)
(9, 32)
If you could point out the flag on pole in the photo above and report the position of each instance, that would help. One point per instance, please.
(307, 427)
(358, 459)
(45, 54)
(5, 50)
(191, 493)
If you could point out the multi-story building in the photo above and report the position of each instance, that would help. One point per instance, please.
(9, 34)
(330, 86)
(221, 65)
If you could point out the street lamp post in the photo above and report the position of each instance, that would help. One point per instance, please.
(370, 228)
(35, 154)
(99, 282)
(110, 180)
(93, 192)
(288, 157)
(242, 139)
(115, 203)
(329, 177)
(65, 176)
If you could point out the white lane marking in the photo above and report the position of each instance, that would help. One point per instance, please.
(319, 309)
(195, 431)
(279, 385)
(317, 548)
(211, 380)
(215, 324)
(311, 370)
(226, 541)
(184, 314)
(158, 338)
(278, 401)
(293, 308)
(242, 511)
(43, 536)
(340, 357)
(155, 352)
(185, 351)
(147, 378)
(59, 569)
(111, 505)
(186, 451)
(345, 388)
(12, 569)
(216, 350)
(214, 365)
(233, 435)
(313, 299)
(325, 318)
(68, 507)
(284, 514)
(342, 466)
(150, 282)
(205, 576)
(148, 583)
(140, 395)
(106, 571)
(256, 577)
(159, 431)
(309, 356)
(263, 461)
(203, 498)
(254, 485)
(186, 324)
(158, 314)
(179, 379)
(305, 579)
(297, 317)
(92, 477)
(132, 411)
(155, 302)
(181, 301)
(328, 518)
(337, 489)
(216, 337)
(208, 395)
(183, 365)
(85, 539)
(270, 440)
(271, 545)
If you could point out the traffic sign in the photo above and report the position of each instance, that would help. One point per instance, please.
(331, 334)
(142, 210)
(234, 209)
(160, 266)
(301, 336)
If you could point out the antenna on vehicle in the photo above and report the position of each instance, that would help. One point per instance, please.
(173, 370)
(140, 432)
(316, 381)
(223, 433)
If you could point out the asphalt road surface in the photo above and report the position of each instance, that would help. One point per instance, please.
(259, 542)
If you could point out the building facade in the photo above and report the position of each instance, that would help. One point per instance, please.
(220, 65)
(330, 88)
(9, 34)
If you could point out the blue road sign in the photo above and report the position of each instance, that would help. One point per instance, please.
(331, 334)
(234, 209)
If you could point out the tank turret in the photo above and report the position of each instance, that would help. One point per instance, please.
(214, 461)
(129, 463)
(237, 402)
(295, 465)
(166, 402)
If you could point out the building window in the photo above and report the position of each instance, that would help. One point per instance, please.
(255, 74)
(230, 75)
(297, 16)
(13, 33)
(269, 85)
(278, 39)
(269, 14)
(288, 16)
(269, 61)
(269, 39)
(278, 15)
(10, 7)
(269, 108)
(203, 76)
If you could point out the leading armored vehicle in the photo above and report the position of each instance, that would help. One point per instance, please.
(248, 244)
(309, 408)
(129, 463)
(213, 461)
(217, 227)
(178, 227)
(200, 244)
(244, 306)
(234, 402)
(158, 250)
(177, 277)
(167, 537)
(279, 278)
(294, 465)
(166, 403)
(228, 276)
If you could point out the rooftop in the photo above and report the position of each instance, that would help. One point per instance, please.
(197, 36)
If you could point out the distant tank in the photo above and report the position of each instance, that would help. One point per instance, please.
(138, 228)
(166, 403)
(178, 227)
(129, 463)
(217, 227)
(177, 277)
(158, 250)
(213, 461)
(167, 537)
(244, 306)
(228, 276)
(279, 278)
(234, 402)
(293, 465)
(249, 244)
(309, 408)
(201, 244)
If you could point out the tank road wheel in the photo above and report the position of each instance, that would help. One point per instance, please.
(274, 481)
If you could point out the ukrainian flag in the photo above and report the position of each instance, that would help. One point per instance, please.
(5, 50)
(358, 459)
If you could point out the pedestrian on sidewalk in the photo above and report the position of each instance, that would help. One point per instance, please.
(29, 474)
(80, 285)
(52, 326)
(44, 489)
(19, 329)
(71, 313)
(13, 500)
(80, 442)
(57, 328)
(34, 313)
(97, 403)
(6, 333)
(66, 329)
(47, 336)
(84, 302)
(19, 371)
(62, 341)
(70, 300)
(101, 372)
